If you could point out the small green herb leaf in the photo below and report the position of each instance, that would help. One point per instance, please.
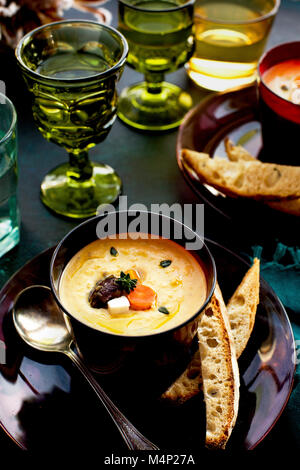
(164, 310)
(165, 263)
(126, 283)
(113, 251)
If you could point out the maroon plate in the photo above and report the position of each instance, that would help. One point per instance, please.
(44, 403)
(235, 115)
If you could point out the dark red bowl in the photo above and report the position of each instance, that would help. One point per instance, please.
(280, 118)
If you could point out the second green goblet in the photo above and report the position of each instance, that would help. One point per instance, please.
(160, 36)
(71, 68)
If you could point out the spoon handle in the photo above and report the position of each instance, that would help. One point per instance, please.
(133, 438)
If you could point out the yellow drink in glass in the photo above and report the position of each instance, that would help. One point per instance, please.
(230, 38)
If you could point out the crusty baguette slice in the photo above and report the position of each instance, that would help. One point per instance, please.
(241, 311)
(237, 153)
(251, 179)
(188, 384)
(242, 307)
(289, 207)
(220, 373)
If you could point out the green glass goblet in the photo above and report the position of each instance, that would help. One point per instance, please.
(160, 36)
(71, 68)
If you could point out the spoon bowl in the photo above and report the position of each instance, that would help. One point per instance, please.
(42, 325)
(40, 322)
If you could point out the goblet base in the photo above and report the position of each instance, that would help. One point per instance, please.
(154, 111)
(80, 198)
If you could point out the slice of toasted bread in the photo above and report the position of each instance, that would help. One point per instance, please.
(250, 179)
(220, 373)
(242, 307)
(289, 207)
(189, 383)
(236, 153)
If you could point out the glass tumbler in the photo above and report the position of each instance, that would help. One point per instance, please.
(9, 212)
(230, 38)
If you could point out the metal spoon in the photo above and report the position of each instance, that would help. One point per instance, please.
(42, 325)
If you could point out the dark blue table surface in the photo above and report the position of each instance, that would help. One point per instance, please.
(148, 167)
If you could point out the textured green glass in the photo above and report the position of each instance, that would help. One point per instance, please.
(160, 38)
(71, 68)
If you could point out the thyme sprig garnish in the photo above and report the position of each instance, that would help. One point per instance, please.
(126, 283)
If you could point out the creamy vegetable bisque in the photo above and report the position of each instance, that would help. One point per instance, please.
(159, 270)
(284, 80)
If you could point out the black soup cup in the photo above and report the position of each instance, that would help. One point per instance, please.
(105, 352)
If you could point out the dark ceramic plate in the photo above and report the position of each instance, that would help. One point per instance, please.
(235, 115)
(45, 404)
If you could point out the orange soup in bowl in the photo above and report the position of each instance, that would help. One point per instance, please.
(284, 80)
(279, 104)
(133, 287)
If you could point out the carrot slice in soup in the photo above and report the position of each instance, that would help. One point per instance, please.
(141, 298)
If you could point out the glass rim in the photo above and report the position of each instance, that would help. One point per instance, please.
(74, 81)
(261, 18)
(165, 10)
(260, 74)
(13, 123)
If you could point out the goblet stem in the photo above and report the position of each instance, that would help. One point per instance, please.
(154, 82)
(154, 104)
(81, 168)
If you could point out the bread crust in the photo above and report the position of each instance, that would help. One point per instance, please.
(237, 153)
(220, 379)
(242, 307)
(249, 179)
(187, 385)
(289, 207)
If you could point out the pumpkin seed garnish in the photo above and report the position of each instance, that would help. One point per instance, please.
(113, 251)
(165, 263)
(164, 310)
